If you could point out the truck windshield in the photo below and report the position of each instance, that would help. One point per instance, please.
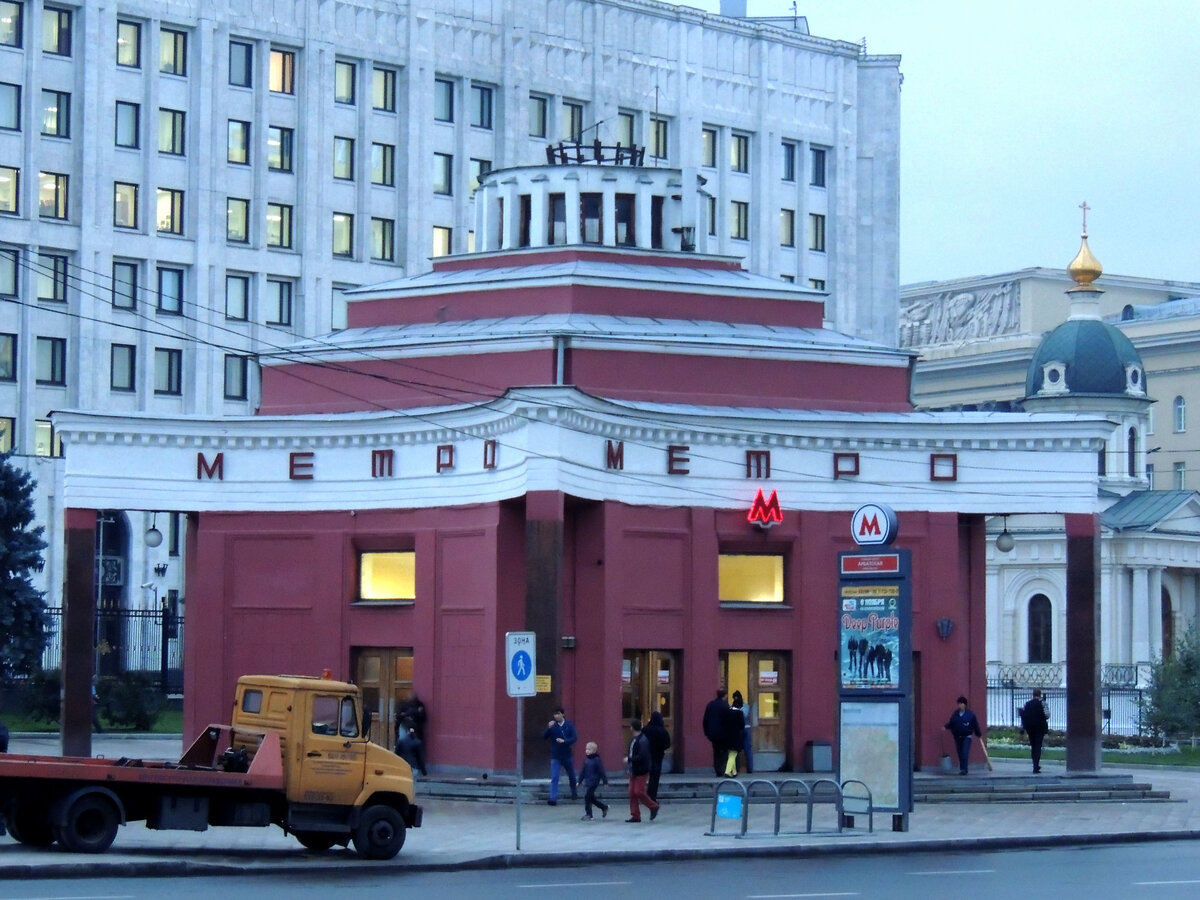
(334, 715)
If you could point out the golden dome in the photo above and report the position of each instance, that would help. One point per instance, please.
(1084, 268)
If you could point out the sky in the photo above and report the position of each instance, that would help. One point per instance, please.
(1014, 113)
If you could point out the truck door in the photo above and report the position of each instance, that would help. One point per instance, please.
(333, 754)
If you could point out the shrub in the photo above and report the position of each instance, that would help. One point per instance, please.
(130, 700)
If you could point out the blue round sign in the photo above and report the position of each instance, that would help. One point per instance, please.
(522, 665)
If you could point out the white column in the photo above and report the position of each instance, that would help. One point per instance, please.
(1124, 620)
(1154, 596)
(1139, 631)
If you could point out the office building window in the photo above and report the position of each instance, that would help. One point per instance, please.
(122, 367)
(1150, 476)
(237, 220)
(10, 258)
(443, 100)
(236, 368)
(56, 114)
(710, 204)
(52, 277)
(128, 124)
(278, 302)
(443, 173)
(8, 427)
(51, 362)
(479, 168)
(170, 131)
(241, 64)
(10, 106)
(52, 195)
(11, 23)
(816, 176)
(1180, 412)
(572, 121)
(817, 284)
(344, 75)
(238, 149)
(124, 285)
(168, 371)
(125, 205)
(739, 220)
(343, 234)
(129, 44)
(708, 147)
(45, 441)
(538, 116)
(281, 76)
(279, 226)
(590, 222)
(816, 232)
(790, 279)
(383, 164)
(556, 219)
(170, 210)
(279, 149)
(659, 142)
(739, 153)
(237, 297)
(387, 576)
(8, 357)
(56, 31)
(170, 290)
(343, 158)
(750, 578)
(172, 52)
(383, 89)
(383, 239)
(1180, 471)
(787, 228)
(442, 240)
(626, 122)
(481, 106)
(10, 181)
(788, 151)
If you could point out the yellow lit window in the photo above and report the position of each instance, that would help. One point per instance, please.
(750, 578)
(388, 576)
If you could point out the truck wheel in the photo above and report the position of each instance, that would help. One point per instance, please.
(29, 827)
(316, 840)
(90, 825)
(380, 833)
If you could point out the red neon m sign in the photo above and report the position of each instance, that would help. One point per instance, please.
(765, 512)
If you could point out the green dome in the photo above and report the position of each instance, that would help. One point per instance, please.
(1096, 357)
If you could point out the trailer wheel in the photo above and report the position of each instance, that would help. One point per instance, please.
(380, 833)
(90, 824)
(316, 840)
(29, 826)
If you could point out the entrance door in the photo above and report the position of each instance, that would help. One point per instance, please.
(762, 677)
(648, 684)
(384, 675)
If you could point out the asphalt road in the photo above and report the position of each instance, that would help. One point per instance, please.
(1154, 871)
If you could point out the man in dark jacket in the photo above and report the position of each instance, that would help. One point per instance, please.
(714, 730)
(1036, 724)
(963, 725)
(660, 741)
(410, 747)
(638, 762)
(562, 737)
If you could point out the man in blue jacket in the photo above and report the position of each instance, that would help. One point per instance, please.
(562, 737)
(963, 726)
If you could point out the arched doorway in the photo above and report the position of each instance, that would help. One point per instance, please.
(1040, 634)
(1168, 625)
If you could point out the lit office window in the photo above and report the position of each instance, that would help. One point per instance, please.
(56, 113)
(343, 234)
(236, 380)
(172, 52)
(129, 44)
(279, 226)
(749, 578)
(10, 181)
(168, 371)
(386, 576)
(383, 239)
(52, 195)
(281, 77)
(787, 228)
(279, 149)
(11, 23)
(816, 232)
(56, 31)
(344, 75)
(52, 277)
(237, 220)
(383, 90)
(739, 152)
(383, 164)
(343, 158)
(171, 131)
(170, 210)
(739, 220)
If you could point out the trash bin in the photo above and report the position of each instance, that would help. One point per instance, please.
(818, 756)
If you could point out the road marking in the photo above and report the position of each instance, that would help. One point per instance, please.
(955, 872)
(1158, 883)
(84, 897)
(786, 896)
(577, 884)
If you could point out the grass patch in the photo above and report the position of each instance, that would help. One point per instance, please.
(1140, 756)
(169, 721)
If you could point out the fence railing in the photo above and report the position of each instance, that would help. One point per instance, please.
(1121, 707)
(130, 640)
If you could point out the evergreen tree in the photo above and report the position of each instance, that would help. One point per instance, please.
(1172, 704)
(25, 627)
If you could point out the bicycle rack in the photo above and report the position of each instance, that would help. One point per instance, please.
(735, 804)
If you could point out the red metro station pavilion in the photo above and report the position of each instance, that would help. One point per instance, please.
(593, 430)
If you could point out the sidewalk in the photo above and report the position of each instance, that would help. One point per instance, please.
(460, 834)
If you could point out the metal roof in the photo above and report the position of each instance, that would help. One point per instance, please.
(1145, 510)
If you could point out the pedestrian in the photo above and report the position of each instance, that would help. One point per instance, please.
(562, 737)
(593, 775)
(963, 726)
(410, 747)
(3, 738)
(638, 764)
(414, 710)
(714, 730)
(660, 741)
(733, 728)
(747, 737)
(1035, 723)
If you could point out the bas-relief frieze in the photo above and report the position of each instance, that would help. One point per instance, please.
(953, 316)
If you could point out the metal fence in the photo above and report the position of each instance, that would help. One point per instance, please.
(130, 640)
(1120, 706)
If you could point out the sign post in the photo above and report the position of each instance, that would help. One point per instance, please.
(520, 671)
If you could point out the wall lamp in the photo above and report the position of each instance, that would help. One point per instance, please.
(1004, 540)
(944, 625)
